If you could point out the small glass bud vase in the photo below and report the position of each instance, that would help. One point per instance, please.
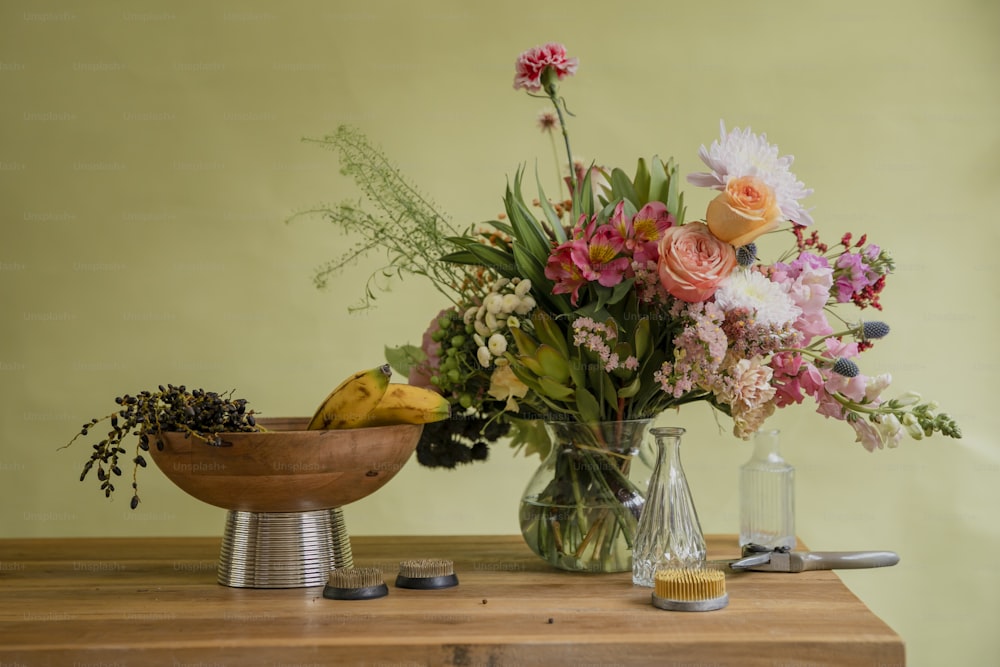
(669, 533)
(767, 495)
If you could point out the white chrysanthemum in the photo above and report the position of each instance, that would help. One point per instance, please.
(497, 344)
(743, 153)
(752, 290)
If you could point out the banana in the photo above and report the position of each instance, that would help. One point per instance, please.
(350, 404)
(409, 404)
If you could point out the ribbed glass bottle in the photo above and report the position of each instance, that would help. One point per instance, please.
(767, 495)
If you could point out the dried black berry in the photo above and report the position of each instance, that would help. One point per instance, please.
(201, 414)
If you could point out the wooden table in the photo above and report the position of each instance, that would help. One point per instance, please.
(116, 602)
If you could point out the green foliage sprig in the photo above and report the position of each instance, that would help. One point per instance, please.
(400, 221)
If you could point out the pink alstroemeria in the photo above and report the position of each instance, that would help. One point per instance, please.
(563, 271)
(597, 255)
(532, 64)
(647, 229)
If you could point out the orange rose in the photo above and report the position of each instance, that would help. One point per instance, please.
(743, 212)
(693, 262)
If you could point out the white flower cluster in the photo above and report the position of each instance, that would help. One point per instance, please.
(500, 310)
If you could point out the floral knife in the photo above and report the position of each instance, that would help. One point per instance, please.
(758, 558)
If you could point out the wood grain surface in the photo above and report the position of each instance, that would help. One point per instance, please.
(155, 601)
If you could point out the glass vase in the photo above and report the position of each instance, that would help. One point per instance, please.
(669, 533)
(580, 509)
(767, 495)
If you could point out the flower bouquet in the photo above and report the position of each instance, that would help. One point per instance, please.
(603, 309)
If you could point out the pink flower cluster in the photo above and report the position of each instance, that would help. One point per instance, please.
(754, 368)
(598, 338)
(808, 281)
(699, 349)
(814, 284)
(608, 253)
(421, 373)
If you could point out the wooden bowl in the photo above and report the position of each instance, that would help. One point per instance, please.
(287, 468)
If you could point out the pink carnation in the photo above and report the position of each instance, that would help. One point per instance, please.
(532, 64)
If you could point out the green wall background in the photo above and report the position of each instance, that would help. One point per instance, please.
(150, 154)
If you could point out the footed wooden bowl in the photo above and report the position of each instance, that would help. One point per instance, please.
(286, 468)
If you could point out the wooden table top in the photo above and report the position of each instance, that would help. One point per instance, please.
(138, 601)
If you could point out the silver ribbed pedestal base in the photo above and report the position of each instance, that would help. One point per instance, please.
(283, 549)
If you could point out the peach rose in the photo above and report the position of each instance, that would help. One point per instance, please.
(743, 212)
(693, 262)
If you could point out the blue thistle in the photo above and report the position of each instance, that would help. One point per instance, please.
(746, 255)
(874, 330)
(845, 367)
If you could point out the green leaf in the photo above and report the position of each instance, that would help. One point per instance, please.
(672, 191)
(488, 256)
(576, 367)
(609, 392)
(404, 358)
(549, 332)
(556, 365)
(526, 376)
(620, 291)
(526, 345)
(554, 390)
(622, 188)
(550, 213)
(642, 337)
(583, 198)
(502, 227)
(631, 389)
(527, 230)
(641, 183)
(461, 257)
(587, 405)
(532, 365)
(658, 182)
(528, 267)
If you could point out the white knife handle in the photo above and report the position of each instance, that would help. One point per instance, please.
(841, 560)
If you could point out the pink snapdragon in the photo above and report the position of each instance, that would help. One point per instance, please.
(854, 273)
(808, 281)
(794, 378)
(531, 65)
